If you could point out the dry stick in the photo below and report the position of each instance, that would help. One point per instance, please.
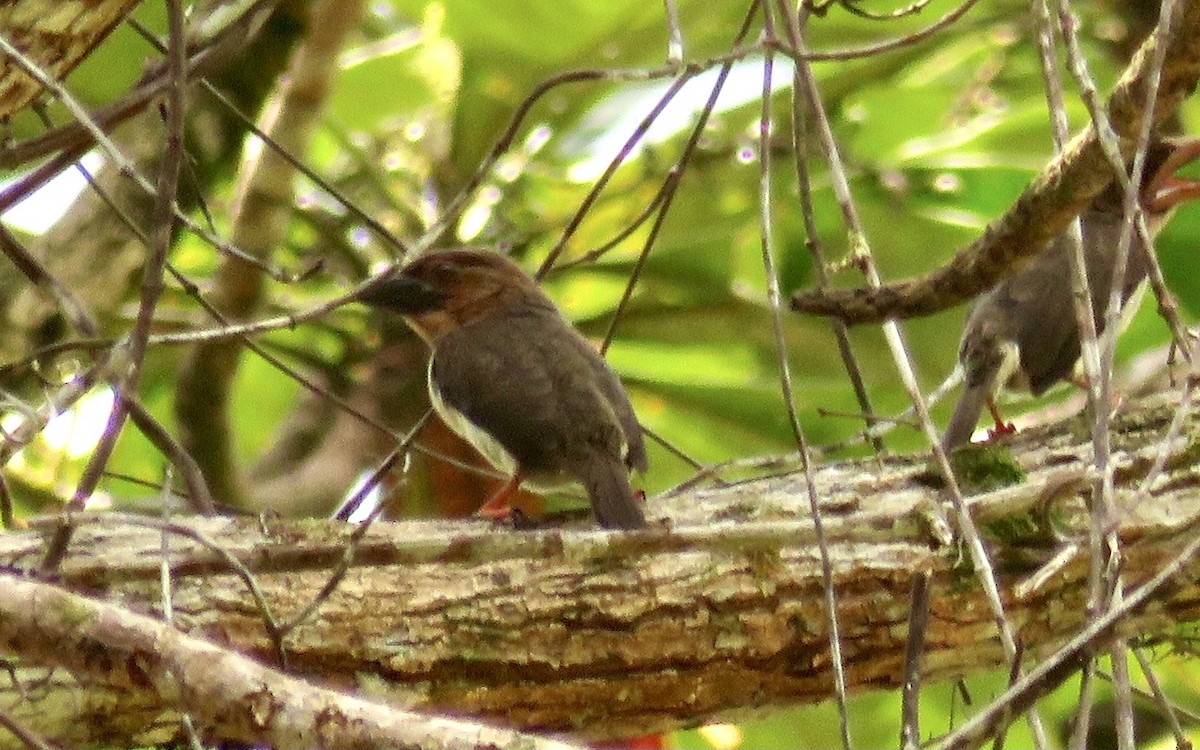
(1014, 672)
(622, 235)
(1106, 553)
(78, 137)
(167, 607)
(850, 6)
(669, 188)
(351, 548)
(881, 426)
(349, 508)
(674, 34)
(1085, 324)
(37, 274)
(296, 163)
(1167, 305)
(1174, 430)
(785, 382)
(198, 495)
(1063, 663)
(7, 518)
(914, 648)
(32, 739)
(812, 240)
(235, 566)
(1135, 218)
(152, 279)
(39, 176)
(1164, 703)
(903, 361)
(675, 450)
(799, 54)
(614, 164)
(68, 394)
(122, 162)
(1054, 197)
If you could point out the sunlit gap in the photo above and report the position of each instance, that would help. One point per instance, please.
(604, 129)
(55, 456)
(42, 208)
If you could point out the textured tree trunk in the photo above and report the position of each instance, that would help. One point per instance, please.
(717, 611)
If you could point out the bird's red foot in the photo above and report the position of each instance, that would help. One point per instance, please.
(497, 508)
(495, 511)
(1001, 429)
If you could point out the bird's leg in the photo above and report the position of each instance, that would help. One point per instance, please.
(497, 507)
(1002, 427)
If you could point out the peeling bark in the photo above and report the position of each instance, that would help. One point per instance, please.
(714, 613)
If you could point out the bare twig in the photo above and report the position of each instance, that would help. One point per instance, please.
(910, 701)
(785, 381)
(1051, 201)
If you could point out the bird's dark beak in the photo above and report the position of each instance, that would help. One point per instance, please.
(1165, 190)
(402, 294)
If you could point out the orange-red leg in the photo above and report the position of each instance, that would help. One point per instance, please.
(1002, 427)
(497, 507)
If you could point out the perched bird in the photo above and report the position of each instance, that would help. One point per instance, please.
(510, 375)
(1023, 333)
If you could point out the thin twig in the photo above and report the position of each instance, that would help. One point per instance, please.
(914, 648)
(1063, 663)
(902, 359)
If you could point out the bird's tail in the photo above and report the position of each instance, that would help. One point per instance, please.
(607, 484)
(966, 416)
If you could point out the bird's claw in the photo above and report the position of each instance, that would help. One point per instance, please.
(499, 512)
(1001, 429)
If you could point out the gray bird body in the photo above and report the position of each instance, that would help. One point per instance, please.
(1023, 332)
(562, 427)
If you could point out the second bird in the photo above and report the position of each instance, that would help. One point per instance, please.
(510, 375)
(1023, 333)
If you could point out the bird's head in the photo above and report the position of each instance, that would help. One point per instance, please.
(444, 290)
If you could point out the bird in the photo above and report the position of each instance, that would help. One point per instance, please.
(517, 381)
(1022, 333)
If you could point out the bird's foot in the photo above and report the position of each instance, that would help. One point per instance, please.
(509, 516)
(1001, 429)
(497, 507)
(497, 512)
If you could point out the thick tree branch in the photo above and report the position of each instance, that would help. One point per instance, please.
(226, 693)
(54, 36)
(1050, 202)
(609, 634)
